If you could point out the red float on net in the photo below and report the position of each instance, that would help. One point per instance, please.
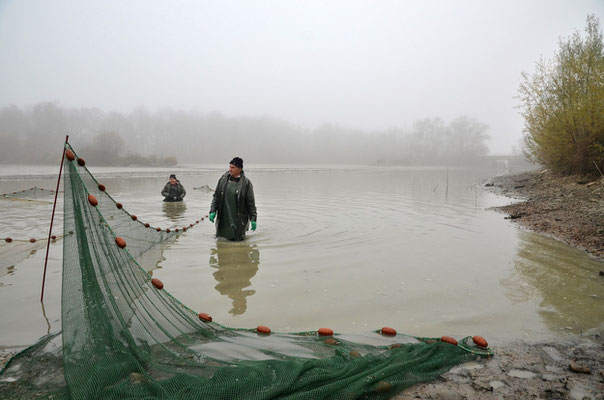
(69, 154)
(92, 200)
(480, 341)
(388, 331)
(121, 243)
(263, 329)
(325, 332)
(448, 339)
(81, 162)
(157, 283)
(205, 317)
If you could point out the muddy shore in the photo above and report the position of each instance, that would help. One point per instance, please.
(568, 208)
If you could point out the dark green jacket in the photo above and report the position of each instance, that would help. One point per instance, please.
(170, 191)
(246, 204)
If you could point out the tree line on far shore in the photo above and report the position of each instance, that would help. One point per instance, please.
(563, 105)
(167, 137)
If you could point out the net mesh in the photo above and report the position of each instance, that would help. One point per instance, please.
(34, 194)
(124, 338)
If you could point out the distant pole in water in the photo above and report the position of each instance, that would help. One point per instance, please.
(54, 206)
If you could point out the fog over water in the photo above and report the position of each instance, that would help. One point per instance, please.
(363, 66)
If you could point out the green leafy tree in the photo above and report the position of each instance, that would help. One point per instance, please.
(563, 105)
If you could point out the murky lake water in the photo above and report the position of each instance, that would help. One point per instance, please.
(350, 248)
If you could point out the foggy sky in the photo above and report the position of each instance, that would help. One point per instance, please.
(369, 65)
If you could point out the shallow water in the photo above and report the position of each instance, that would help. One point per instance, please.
(350, 248)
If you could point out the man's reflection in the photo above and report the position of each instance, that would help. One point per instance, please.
(174, 210)
(236, 263)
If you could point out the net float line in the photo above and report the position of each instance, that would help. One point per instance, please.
(81, 162)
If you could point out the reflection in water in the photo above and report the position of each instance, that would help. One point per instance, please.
(565, 285)
(236, 263)
(174, 210)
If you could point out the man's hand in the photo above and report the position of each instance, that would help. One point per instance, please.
(253, 225)
(212, 216)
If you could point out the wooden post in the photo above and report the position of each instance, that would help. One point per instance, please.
(52, 219)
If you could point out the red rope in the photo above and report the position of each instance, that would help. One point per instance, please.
(52, 219)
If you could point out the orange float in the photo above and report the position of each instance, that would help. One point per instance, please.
(92, 200)
(134, 217)
(167, 230)
(263, 329)
(101, 187)
(158, 229)
(32, 240)
(331, 341)
(325, 332)
(147, 225)
(448, 339)
(205, 317)
(54, 237)
(8, 240)
(119, 205)
(121, 243)
(81, 162)
(480, 341)
(69, 154)
(157, 283)
(388, 331)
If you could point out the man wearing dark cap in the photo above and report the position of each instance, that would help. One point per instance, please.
(173, 191)
(233, 203)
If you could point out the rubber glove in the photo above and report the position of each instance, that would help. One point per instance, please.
(212, 216)
(253, 225)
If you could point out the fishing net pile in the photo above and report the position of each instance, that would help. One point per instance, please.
(125, 337)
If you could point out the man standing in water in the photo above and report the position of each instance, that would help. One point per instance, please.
(234, 203)
(173, 190)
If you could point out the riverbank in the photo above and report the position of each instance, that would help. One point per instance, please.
(569, 208)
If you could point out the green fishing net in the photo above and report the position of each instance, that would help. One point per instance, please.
(125, 337)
